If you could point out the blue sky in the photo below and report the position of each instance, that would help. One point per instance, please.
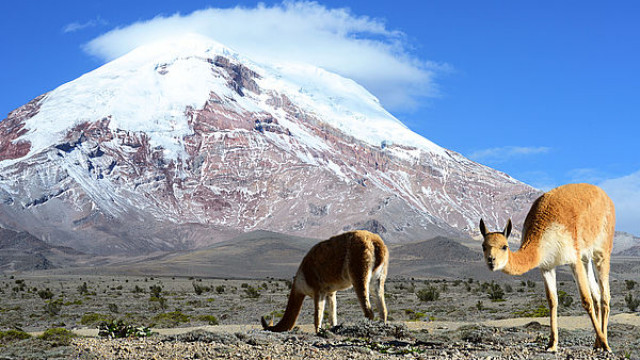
(546, 91)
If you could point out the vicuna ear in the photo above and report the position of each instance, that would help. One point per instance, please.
(483, 229)
(507, 229)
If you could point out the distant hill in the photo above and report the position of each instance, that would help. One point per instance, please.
(20, 251)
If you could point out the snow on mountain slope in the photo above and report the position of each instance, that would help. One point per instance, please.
(185, 142)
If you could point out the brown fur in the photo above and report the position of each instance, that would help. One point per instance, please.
(350, 259)
(573, 224)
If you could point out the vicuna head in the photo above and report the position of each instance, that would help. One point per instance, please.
(495, 246)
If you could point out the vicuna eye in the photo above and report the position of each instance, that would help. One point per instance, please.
(505, 247)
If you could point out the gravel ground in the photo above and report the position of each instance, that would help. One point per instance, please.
(365, 340)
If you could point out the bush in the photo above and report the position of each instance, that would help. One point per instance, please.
(119, 329)
(564, 299)
(252, 292)
(540, 311)
(199, 289)
(632, 303)
(220, 289)
(156, 291)
(95, 318)
(53, 307)
(428, 294)
(45, 294)
(58, 336)
(210, 319)
(83, 289)
(495, 292)
(173, 318)
(13, 335)
(630, 284)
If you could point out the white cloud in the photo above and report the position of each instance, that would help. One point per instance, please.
(357, 47)
(76, 26)
(625, 193)
(502, 154)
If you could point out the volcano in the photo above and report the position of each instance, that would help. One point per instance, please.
(183, 143)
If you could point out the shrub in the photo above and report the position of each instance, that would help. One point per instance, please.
(113, 308)
(495, 292)
(58, 336)
(564, 299)
(220, 289)
(137, 290)
(540, 311)
(632, 303)
(199, 289)
(156, 291)
(430, 293)
(210, 319)
(53, 307)
(480, 305)
(45, 294)
(173, 318)
(83, 289)
(630, 284)
(13, 335)
(119, 329)
(95, 318)
(252, 292)
(414, 315)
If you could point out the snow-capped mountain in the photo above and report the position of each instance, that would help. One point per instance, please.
(185, 142)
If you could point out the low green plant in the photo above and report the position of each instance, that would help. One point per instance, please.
(53, 307)
(251, 292)
(414, 315)
(95, 318)
(564, 299)
(119, 329)
(630, 284)
(58, 336)
(495, 292)
(430, 293)
(173, 318)
(13, 335)
(540, 311)
(210, 319)
(45, 294)
(632, 303)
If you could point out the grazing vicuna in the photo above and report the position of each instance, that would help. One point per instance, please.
(351, 259)
(571, 224)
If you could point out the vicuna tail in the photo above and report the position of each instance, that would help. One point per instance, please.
(294, 305)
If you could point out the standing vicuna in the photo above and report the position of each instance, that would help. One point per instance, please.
(355, 259)
(571, 224)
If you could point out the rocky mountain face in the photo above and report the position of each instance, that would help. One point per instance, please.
(184, 143)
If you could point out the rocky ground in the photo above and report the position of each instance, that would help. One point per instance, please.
(218, 318)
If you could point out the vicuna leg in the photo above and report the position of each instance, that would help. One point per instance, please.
(580, 274)
(550, 287)
(361, 287)
(318, 305)
(380, 304)
(331, 298)
(602, 267)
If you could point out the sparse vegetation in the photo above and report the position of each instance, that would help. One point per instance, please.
(13, 335)
(120, 329)
(495, 292)
(58, 336)
(632, 304)
(630, 284)
(430, 293)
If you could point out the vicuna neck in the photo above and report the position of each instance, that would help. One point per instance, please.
(521, 261)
